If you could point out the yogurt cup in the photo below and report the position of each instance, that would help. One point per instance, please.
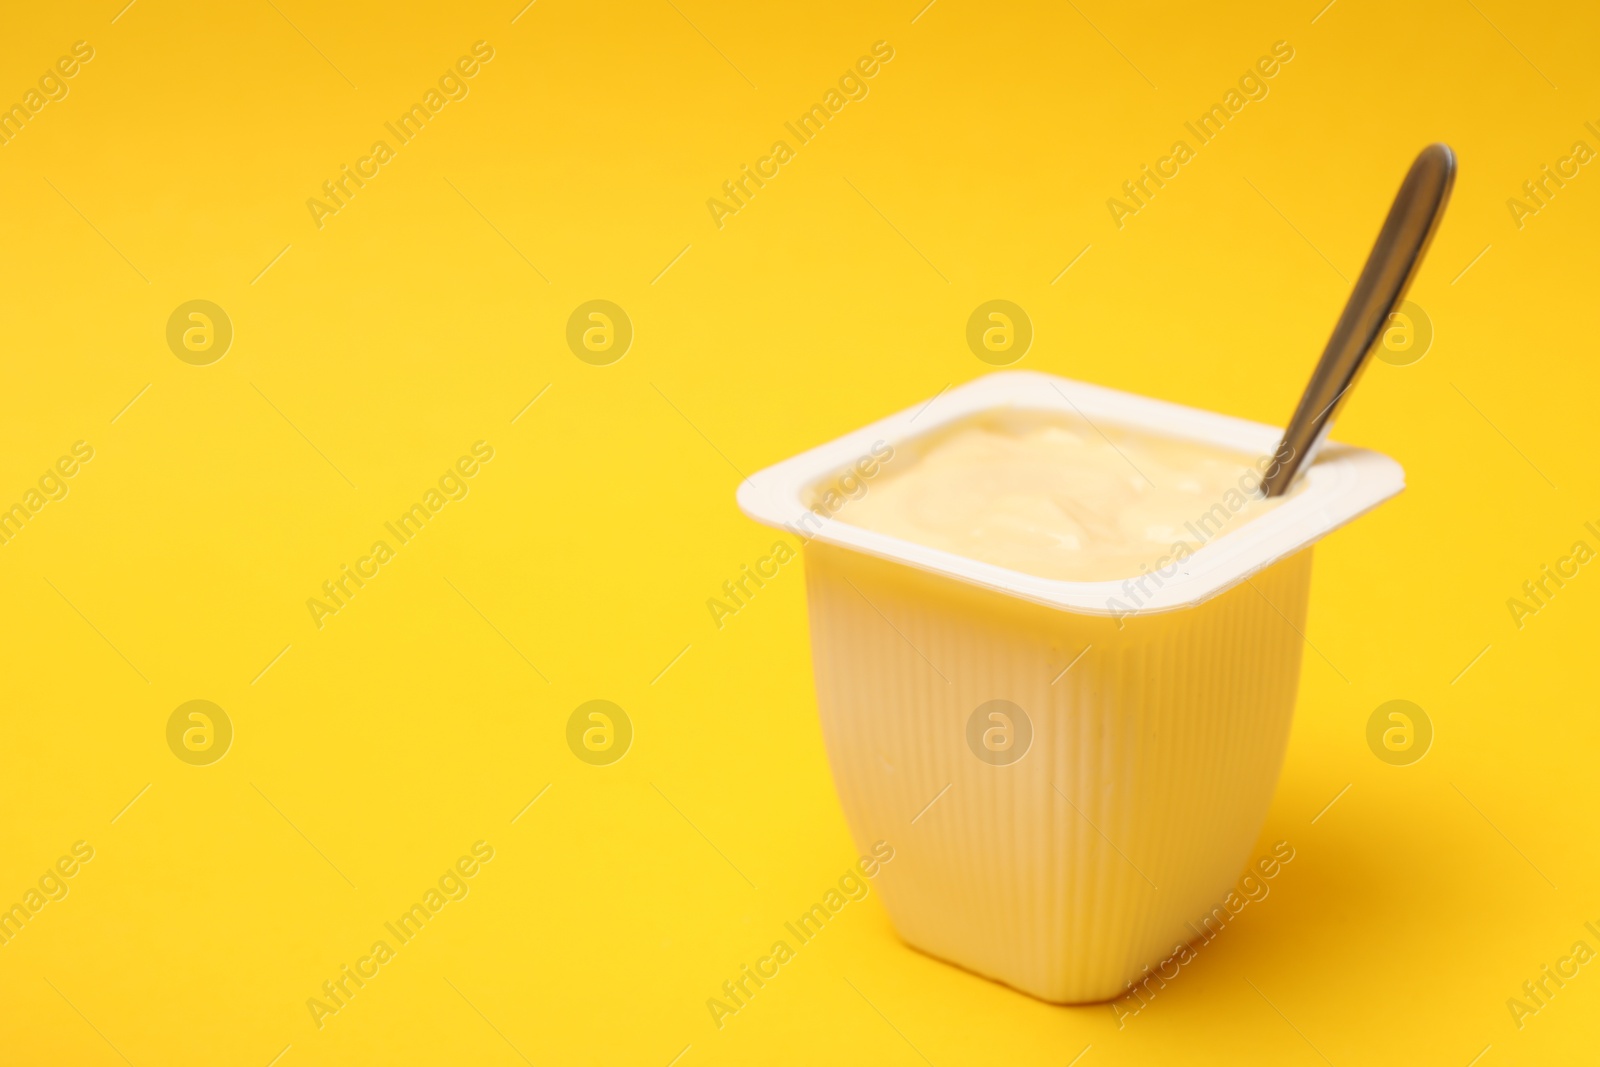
(1071, 773)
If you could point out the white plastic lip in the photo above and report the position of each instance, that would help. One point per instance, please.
(1340, 485)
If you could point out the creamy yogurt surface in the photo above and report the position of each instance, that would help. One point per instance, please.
(1056, 496)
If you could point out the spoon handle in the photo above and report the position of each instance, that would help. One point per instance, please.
(1392, 264)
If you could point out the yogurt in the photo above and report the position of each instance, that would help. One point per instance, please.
(1057, 496)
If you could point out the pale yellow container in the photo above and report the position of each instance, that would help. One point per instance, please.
(1081, 835)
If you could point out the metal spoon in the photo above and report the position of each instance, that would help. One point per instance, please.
(1392, 264)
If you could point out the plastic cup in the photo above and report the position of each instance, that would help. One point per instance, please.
(1071, 773)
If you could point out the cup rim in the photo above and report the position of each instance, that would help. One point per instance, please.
(1342, 483)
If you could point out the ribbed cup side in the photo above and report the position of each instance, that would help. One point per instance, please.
(1152, 763)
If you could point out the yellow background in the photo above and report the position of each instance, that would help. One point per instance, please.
(377, 749)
